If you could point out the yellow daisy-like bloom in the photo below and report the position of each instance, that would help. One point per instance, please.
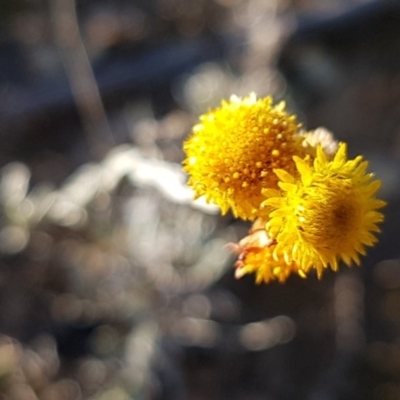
(233, 150)
(327, 215)
(265, 266)
(256, 256)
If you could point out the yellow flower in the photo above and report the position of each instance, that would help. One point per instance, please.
(326, 215)
(256, 256)
(233, 150)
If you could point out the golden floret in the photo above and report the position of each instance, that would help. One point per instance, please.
(233, 150)
(328, 214)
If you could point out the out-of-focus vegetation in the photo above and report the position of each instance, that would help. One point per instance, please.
(114, 284)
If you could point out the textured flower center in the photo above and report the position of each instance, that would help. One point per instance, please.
(332, 216)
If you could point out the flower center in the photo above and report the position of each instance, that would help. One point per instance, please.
(332, 217)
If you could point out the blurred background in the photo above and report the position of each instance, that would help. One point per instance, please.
(114, 284)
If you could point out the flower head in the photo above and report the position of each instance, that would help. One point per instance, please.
(256, 256)
(233, 150)
(323, 137)
(327, 214)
